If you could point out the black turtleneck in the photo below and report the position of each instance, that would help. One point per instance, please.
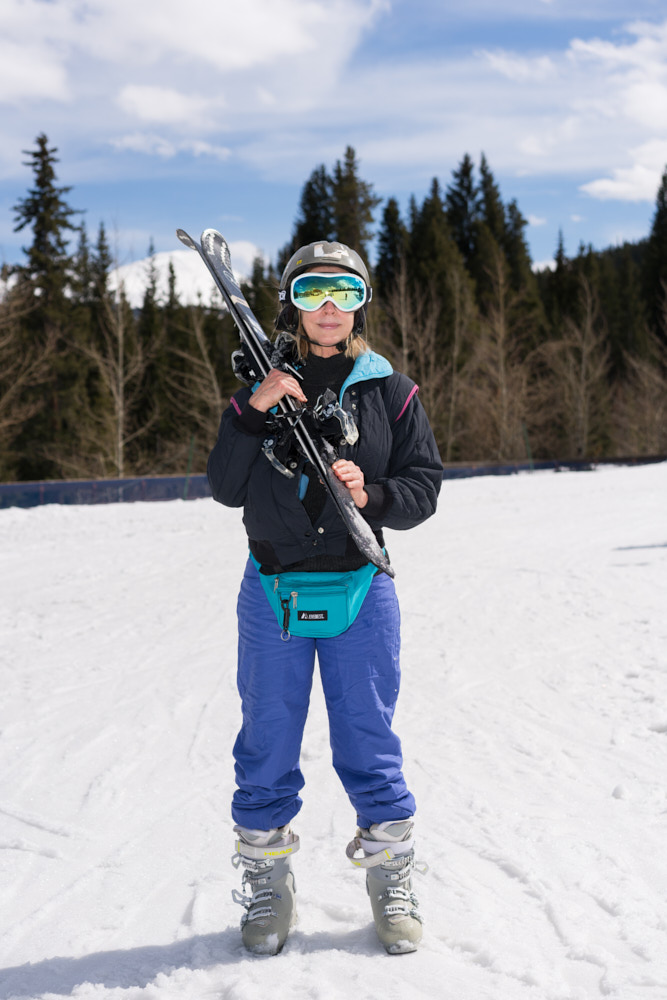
(319, 374)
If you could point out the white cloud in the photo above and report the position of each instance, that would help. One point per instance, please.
(224, 34)
(546, 142)
(199, 148)
(638, 182)
(166, 106)
(151, 144)
(148, 75)
(30, 72)
(221, 35)
(536, 220)
(520, 68)
(266, 97)
(645, 102)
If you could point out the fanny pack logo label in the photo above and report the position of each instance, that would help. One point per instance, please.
(313, 616)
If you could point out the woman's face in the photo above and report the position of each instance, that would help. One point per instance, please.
(328, 325)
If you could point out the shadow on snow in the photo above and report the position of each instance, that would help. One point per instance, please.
(137, 967)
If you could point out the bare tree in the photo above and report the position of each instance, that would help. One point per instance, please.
(195, 391)
(419, 354)
(463, 326)
(577, 394)
(23, 369)
(120, 361)
(497, 381)
(639, 415)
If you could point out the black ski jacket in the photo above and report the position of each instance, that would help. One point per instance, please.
(396, 451)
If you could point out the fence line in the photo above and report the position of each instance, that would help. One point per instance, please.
(194, 487)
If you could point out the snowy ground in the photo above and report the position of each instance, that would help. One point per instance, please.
(533, 716)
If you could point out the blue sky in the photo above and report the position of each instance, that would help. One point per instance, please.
(199, 113)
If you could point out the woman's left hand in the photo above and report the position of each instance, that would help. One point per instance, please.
(352, 476)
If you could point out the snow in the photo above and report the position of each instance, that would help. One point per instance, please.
(534, 723)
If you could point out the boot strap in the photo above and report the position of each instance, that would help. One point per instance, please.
(370, 860)
(272, 852)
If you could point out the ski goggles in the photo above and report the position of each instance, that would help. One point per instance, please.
(310, 291)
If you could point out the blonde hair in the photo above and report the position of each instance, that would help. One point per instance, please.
(356, 346)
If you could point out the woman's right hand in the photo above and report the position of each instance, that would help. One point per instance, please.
(272, 389)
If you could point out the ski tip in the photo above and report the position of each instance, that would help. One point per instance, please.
(212, 238)
(186, 239)
(215, 242)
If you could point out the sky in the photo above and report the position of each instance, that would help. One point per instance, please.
(212, 113)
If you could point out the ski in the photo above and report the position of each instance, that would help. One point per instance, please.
(215, 254)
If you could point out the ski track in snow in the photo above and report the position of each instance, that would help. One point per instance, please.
(534, 724)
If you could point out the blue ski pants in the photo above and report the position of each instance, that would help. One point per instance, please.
(360, 678)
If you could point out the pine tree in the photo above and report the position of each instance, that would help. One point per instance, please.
(353, 204)
(152, 418)
(655, 264)
(172, 295)
(24, 369)
(432, 249)
(632, 337)
(315, 219)
(49, 217)
(392, 248)
(489, 236)
(492, 211)
(516, 248)
(435, 264)
(462, 201)
(557, 289)
(49, 278)
(261, 292)
(81, 278)
(101, 263)
(528, 309)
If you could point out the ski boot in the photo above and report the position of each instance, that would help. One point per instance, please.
(388, 857)
(270, 908)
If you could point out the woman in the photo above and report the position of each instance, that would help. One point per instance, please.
(389, 462)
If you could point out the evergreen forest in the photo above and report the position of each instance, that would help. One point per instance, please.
(513, 365)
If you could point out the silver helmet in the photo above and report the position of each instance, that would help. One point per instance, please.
(319, 253)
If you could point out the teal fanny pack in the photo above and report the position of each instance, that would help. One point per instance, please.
(319, 605)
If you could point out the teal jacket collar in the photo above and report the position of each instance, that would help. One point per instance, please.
(367, 366)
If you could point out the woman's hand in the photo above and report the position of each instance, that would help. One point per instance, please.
(352, 476)
(272, 389)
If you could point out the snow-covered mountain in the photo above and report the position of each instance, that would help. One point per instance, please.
(193, 282)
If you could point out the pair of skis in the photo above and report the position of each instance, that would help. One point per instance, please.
(215, 254)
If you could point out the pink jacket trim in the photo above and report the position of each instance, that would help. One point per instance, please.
(407, 403)
(235, 405)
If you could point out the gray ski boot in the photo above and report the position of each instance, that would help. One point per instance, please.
(388, 857)
(270, 908)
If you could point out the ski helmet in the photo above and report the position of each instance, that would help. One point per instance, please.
(321, 253)
(317, 254)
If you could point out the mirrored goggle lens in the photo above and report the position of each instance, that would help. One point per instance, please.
(346, 291)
